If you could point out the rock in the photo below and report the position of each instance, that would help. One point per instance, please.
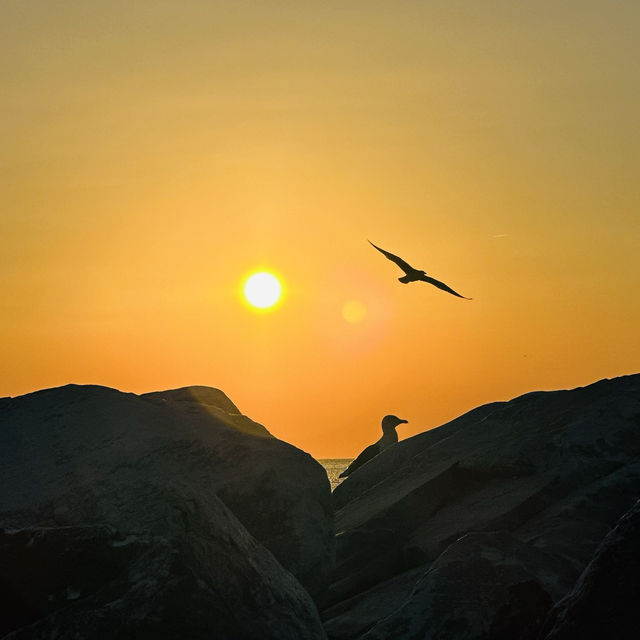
(555, 470)
(142, 465)
(603, 603)
(280, 494)
(95, 583)
(203, 396)
(478, 588)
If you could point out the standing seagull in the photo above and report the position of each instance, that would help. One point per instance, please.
(389, 437)
(413, 275)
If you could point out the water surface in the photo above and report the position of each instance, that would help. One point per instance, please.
(334, 467)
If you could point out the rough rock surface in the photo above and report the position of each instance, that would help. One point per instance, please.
(193, 480)
(553, 469)
(93, 583)
(604, 601)
(494, 596)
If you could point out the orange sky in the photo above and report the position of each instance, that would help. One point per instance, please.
(155, 153)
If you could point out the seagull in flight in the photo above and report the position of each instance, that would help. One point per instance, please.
(414, 275)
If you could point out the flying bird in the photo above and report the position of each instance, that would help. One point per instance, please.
(389, 437)
(414, 275)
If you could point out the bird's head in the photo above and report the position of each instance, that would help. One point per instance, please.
(391, 422)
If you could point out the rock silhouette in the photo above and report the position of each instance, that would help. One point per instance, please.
(194, 521)
(533, 484)
(173, 515)
(603, 603)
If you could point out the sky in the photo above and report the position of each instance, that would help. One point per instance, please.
(155, 153)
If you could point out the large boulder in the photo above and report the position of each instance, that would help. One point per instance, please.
(184, 470)
(480, 587)
(553, 469)
(94, 583)
(604, 601)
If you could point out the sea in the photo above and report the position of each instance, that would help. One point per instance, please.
(334, 467)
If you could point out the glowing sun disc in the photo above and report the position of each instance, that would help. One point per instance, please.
(262, 290)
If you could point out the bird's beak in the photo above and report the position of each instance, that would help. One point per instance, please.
(401, 421)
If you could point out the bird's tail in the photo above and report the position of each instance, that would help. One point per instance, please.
(405, 279)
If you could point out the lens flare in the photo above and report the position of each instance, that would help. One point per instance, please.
(354, 311)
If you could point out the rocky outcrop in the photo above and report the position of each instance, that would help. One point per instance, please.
(604, 601)
(96, 583)
(215, 513)
(540, 479)
(493, 596)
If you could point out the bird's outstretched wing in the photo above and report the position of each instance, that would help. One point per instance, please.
(405, 266)
(370, 452)
(443, 286)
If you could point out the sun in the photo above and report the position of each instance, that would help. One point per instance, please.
(262, 290)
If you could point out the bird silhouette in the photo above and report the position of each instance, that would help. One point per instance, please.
(389, 437)
(415, 275)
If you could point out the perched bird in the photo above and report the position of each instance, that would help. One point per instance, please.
(389, 437)
(413, 275)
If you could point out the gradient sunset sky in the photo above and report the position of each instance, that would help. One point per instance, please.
(154, 153)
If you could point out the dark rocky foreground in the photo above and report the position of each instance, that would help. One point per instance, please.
(604, 601)
(167, 515)
(171, 515)
(481, 529)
